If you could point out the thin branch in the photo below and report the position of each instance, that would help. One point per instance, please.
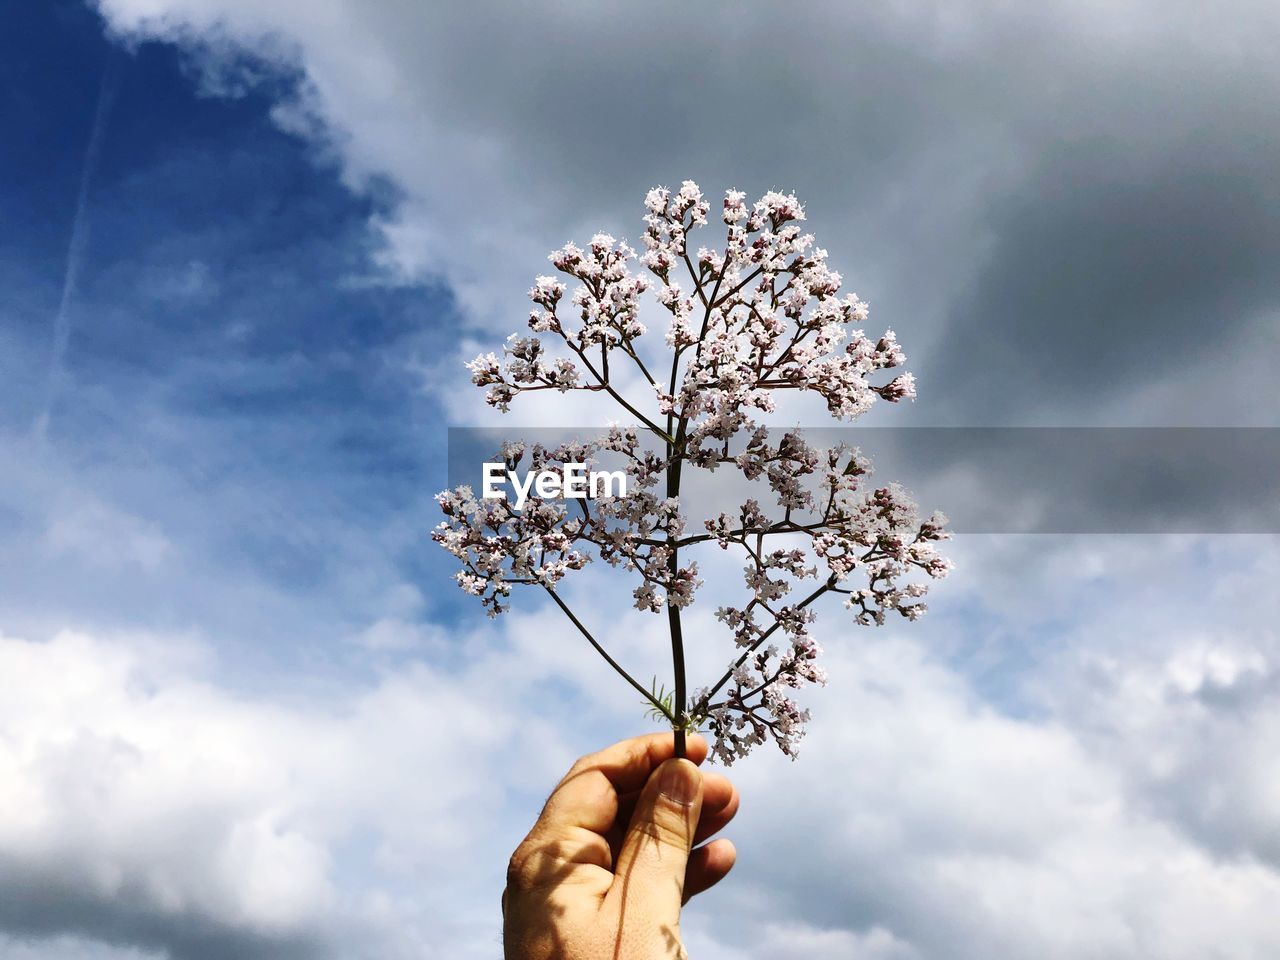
(604, 653)
(755, 273)
(608, 387)
(777, 528)
(697, 281)
(706, 698)
(630, 351)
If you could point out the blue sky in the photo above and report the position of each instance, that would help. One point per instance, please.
(243, 710)
(234, 379)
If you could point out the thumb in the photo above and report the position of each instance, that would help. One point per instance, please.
(649, 874)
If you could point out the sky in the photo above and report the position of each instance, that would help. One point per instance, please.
(245, 248)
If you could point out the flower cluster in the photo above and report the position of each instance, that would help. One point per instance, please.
(874, 536)
(761, 313)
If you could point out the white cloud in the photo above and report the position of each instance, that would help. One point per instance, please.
(103, 535)
(140, 802)
(921, 820)
(967, 833)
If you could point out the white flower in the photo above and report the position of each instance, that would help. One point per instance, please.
(754, 315)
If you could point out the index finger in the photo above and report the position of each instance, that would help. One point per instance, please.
(588, 795)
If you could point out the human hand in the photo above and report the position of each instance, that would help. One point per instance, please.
(605, 870)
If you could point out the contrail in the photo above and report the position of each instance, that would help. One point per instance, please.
(76, 246)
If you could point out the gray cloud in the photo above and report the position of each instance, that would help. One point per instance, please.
(1054, 205)
(40, 905)
(1116, 262)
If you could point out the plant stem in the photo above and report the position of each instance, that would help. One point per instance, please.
(673, 612)
(675, 459)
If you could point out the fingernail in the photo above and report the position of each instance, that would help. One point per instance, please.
(680, 782)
